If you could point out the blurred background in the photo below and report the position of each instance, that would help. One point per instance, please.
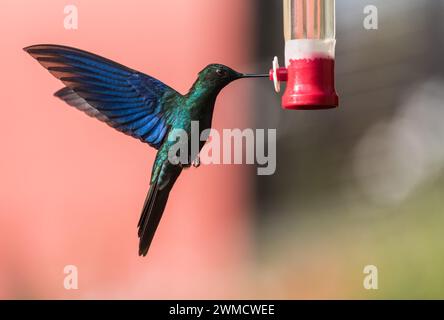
(363, 184)
(359, 185)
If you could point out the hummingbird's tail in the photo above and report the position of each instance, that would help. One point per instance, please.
(153, 208)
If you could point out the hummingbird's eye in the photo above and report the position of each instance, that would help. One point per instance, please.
(220, 72)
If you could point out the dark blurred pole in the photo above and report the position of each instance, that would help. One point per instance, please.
(269, 42)
(269, 30)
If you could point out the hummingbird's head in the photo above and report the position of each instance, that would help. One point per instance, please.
(217, 76)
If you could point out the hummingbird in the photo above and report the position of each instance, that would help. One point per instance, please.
(140, 106)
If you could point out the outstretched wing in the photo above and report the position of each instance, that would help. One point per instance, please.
(127, 100)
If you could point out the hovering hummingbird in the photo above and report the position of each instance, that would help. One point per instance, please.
(140, 106)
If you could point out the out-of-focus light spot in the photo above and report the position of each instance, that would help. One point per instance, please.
(388, 163)
(394, 157)
(424, 112)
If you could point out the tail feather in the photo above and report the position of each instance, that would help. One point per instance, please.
(152, 211)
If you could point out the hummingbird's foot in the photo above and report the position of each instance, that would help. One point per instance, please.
(196, 162)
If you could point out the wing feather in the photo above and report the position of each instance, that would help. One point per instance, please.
(129, 101)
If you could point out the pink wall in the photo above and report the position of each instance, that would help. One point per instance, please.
(72, 188)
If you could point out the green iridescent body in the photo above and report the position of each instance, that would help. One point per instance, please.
(197, 105)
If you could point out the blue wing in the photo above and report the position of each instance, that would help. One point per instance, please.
(127, 100)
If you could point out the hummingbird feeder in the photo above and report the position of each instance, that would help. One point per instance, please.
(309, 30)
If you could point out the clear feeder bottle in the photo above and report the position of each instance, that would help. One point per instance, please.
(309, 29)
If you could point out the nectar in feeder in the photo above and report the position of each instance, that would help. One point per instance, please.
(309, 29)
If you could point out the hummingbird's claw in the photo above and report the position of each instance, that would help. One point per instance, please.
(196, 162)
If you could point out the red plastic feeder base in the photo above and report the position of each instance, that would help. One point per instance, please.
(310, 85)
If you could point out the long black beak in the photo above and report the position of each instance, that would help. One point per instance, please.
(254, 75)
